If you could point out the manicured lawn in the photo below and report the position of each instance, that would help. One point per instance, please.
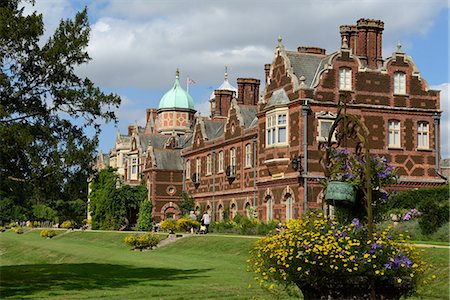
(91, 265)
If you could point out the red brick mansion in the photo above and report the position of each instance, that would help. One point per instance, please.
(261, 152)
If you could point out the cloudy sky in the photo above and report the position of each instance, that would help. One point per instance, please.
(136, 45)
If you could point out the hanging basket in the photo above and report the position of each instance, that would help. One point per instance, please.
(340, 193)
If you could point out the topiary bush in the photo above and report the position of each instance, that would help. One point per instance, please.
(48, 233)
(140, 242)
(169, 225)
(68, 224)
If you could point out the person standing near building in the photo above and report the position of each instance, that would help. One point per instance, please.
(206, 220)
(193, 217)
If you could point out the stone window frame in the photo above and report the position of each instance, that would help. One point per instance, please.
(273, 130)
(394, 129)
(188, 169)
(134, 165)
(248, 155)
(345, 79)
(269, 208)
(198, 166)
(399, 84)
(208, 164)
(325, 117)
(233, 157)
(423, 133)
(221, 161)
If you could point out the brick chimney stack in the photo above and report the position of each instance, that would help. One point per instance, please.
(365, 40)
(248, 91)
(222, 102)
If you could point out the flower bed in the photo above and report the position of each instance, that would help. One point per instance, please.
(335, 261)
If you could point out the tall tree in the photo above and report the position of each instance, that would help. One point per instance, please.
(45, 108)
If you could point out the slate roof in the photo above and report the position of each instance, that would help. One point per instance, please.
(278, 97)
(214, 129)
(248, 115)
(168, 159)
(305, 64)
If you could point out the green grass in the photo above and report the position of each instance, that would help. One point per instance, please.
(93, 265)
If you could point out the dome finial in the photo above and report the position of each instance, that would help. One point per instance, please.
(399, 47)
(226, 73)
(177, 73)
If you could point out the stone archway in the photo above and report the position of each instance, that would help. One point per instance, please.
(170, 210)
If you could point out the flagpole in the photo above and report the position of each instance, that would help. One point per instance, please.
(187, 84)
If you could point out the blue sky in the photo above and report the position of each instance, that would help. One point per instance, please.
(137, 45)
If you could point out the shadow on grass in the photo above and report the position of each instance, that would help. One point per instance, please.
(24, 280)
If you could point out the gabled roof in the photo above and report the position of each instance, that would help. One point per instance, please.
(307, 65)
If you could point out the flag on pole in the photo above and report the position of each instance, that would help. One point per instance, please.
(188, 82)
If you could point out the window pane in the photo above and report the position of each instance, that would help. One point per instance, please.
(282, 135)
(325, 128)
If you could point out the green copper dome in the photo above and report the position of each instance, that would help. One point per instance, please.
(176, 97)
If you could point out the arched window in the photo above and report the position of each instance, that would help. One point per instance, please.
(220, 212)
(289, 207)
(269, 208)
(233, 211)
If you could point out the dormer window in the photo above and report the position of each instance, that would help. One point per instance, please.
(345, 79)
(399, 83)
(276, 128)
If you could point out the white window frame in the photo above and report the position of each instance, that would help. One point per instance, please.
(289, 207)
(188, 169)
(198, 166)
(248, 155)
(220, 167)
(208, 165)
(399, 83)
(394, 134)
(233, 157)
(345, 79)
(277, 120)
(423, 135)
(134, 165)
(325, 117)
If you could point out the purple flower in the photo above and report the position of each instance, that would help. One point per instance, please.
(355, 222)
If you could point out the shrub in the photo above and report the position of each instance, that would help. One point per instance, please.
(2, 229)
(186, 224)
(169, 225)
(68, 224)
(48, 233)
(435, 213)
(319, 255)
(413, 198)
(408, 228)
(145, 220)
(12, 225)
(17, 229)
(442, 234)
(145, 241)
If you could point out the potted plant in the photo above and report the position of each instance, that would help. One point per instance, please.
(344, 177)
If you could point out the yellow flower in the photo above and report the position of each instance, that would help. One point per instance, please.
(399, 280)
